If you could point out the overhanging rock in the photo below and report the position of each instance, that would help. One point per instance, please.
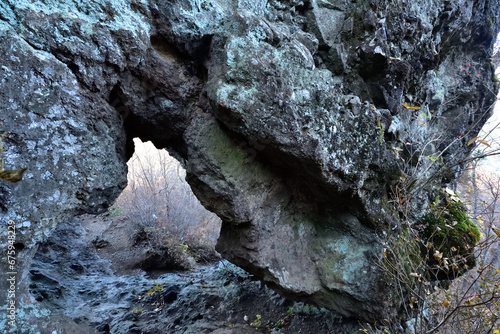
(292, 119)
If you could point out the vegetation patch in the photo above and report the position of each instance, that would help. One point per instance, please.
(449, 238)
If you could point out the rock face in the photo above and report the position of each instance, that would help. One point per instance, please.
(296, 122)
(77, 281)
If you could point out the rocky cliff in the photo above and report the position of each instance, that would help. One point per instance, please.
(296, 121)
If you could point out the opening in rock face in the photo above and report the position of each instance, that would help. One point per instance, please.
(166, 220)
(166, 51)
(359, 113)
(156, 225)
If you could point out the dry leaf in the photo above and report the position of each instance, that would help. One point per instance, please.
(472, 141)
(12, 175)
(438, 255)
(450, 192)
(484, 142)
(497, 231)
(407, 106)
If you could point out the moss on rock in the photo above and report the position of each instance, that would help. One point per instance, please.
(449, 238)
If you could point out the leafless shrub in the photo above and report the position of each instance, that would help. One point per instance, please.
(167, 214)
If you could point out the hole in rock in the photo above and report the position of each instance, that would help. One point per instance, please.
(165, 50)
(172, 55)
(158, 225)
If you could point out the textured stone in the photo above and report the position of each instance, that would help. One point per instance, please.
(287, 115)
(75, 279)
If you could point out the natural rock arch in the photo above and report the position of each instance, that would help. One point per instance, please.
(286, 115)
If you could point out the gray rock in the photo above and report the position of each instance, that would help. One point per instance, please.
(275, 108)
(69, 278)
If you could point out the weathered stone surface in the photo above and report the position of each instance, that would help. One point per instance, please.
(72, 144)
(76, 280)
(288, 116)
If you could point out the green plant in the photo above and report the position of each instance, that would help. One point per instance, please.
(137, 311)
(284, 320)
(155, 289)
(116, 212)
(448, 240)
(423, 261)
(257, 322)
(381, 128)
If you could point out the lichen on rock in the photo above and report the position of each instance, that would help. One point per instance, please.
(296, 121)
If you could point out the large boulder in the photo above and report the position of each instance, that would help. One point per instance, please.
(296, 121)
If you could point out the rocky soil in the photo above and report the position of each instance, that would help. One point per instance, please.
(87, 271)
